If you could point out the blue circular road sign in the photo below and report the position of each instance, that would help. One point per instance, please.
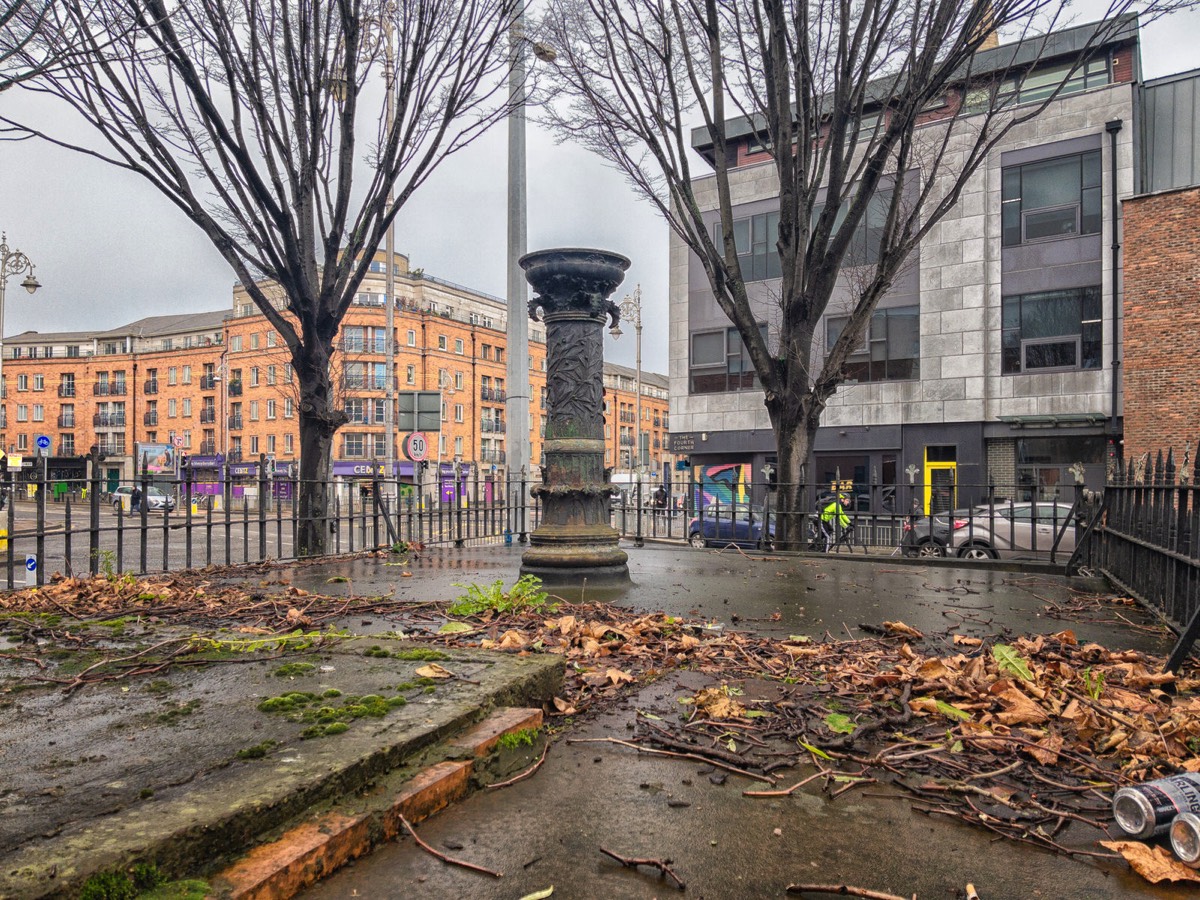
(43, 442)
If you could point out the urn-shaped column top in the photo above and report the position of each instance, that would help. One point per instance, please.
(573, 279)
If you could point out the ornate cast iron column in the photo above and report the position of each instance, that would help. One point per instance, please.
(574, 540)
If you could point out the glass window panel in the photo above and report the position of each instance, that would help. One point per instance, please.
(1011, 314)
(1090, 219)
(1010, 224)
(1049, 315)
(1091, 347)
(1090, 303)
(1054, 182)
(708, 348)
(1091, 169)
(1051, 355)
(1051, 223)
(741, 235)
(1011, 181)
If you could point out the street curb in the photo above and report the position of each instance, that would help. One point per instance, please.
(313, 850)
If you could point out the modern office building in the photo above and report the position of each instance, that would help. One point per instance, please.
(995, 357)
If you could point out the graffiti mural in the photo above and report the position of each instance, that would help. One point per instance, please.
(724, 483)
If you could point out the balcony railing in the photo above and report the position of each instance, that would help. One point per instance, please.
(233, 456)
(492, 456)
(491, 425)
(109, 420)
(111, 448)
(235, 389)
(65, 421)
(150, 418)
(66, 390)
(208, 448)
(235, 423)
(208, 415)
(151, 386)
(208, 382)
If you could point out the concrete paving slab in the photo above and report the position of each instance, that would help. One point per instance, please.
(150, 770)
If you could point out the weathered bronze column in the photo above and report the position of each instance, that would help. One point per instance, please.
(574, 540)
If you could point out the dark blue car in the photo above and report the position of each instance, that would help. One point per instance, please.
(739, 524)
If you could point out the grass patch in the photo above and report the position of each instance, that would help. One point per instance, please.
(175, 713)
(115, 884)
(322, 717)
(525, 595)
(290, 670)
(258, 751)
(425, 654)
(523, 737)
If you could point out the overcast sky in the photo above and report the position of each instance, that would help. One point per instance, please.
(109, 249)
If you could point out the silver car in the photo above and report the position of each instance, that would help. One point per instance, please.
(1015, 530)
(155, 499)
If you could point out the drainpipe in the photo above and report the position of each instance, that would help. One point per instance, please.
(1113, 127)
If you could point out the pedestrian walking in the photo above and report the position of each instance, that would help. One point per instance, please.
(135, 500)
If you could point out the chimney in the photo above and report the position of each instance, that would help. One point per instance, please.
(987, 28)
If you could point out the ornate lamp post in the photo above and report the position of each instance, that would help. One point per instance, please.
(12, 262)
(575, 540)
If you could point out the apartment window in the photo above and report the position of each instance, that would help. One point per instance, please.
(187, 375)
(254, 341)
(270, 409)
(891, 348)
(39, 413)
(22, 412)
(270, 374)
(270, 439)
(485, 351)
(1051, 199)
(352, 338)
(39, 382)
(458, 346)
(354, 445)
(379, 408)
(379, 376)
(458, 381)
(412, 338)
(458, 412)
(499, 354)
(868, 235)
(66, 444)
(187, 407)
(1051, 330)
(270, 339)
(172, 408)
(287, 373)
(22, 382)
(253, 410)
(254, 376)
(172, 375)
(289, 408)
(288, 445)
(355, 410)
(441, 342)
(410, 375)
(442, 444)
(443, 411)
(720, 363)
(458, 446)
(22, 442)
(1040, 84)
(254, 445)
(355, 375)
(235, 343)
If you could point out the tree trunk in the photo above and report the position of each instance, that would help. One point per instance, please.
(319, 420)
(795, 431)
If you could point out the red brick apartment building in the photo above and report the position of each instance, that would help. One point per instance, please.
(220, 386)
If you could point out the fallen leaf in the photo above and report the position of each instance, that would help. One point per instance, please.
(539, 895)
(1155, 864)
(454, 628)
(433, 670)
(616, 676)
(901, 628)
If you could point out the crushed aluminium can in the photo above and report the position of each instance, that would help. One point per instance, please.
(1185, 838)
(1148, 809)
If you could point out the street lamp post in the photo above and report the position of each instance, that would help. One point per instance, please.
(516, 402)
(631, 311)
(389, 341)
(12, 262)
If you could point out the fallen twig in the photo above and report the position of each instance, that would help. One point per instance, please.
(523, 775)
(442, 856)
(696, 756)
(663, 865)
(789, 791)
(844, 890)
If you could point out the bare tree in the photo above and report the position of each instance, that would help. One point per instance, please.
(245, 114)
(20, 23)
(837, 93)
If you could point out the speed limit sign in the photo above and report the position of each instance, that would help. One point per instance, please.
(416, 447)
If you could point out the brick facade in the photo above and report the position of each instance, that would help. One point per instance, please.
(1162, 322)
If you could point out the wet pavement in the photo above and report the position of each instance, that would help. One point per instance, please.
(547, 830)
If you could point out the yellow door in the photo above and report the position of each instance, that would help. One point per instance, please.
(941, 487)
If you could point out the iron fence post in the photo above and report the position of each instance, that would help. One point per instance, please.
(187, 514)
(262, 506)
(42, 481)
(93, 511)
(143, 504)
